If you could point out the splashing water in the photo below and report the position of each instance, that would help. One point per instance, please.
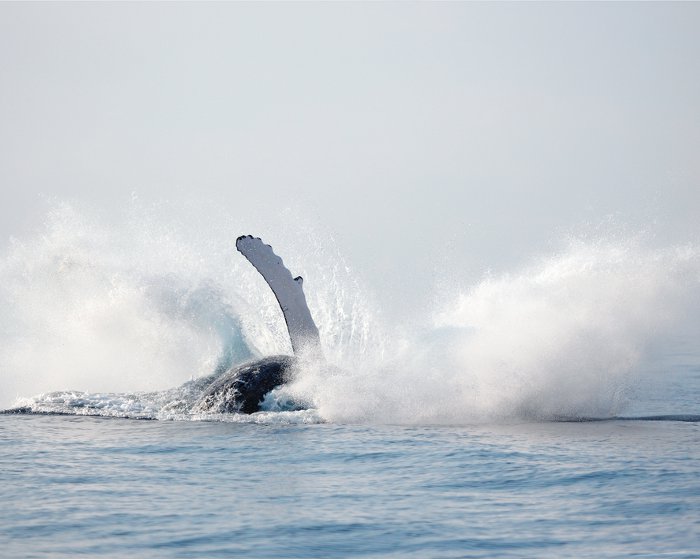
(149, 302)
(561, 339)
(146, 304)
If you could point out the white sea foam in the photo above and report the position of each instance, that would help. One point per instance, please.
(563, 338)
(93, 308)
(152, 299)
(128, 309)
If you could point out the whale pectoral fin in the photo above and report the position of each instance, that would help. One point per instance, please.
(289, 292)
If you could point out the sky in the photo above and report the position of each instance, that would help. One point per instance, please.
(421, 136)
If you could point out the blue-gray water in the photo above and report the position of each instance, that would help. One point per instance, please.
(92, 486)
(292, 485)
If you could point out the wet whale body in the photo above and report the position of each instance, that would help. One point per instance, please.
(243, 388)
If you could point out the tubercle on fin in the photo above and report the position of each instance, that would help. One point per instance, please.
(288, 291)
(243, 237)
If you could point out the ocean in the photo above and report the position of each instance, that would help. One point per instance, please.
(75, 486)
(552, 410)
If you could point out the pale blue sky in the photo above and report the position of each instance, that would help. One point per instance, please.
(497, 127)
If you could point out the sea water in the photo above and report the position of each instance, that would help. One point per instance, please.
(90, 486)
(549, 411)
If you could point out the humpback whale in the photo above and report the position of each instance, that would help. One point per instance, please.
(243, 388)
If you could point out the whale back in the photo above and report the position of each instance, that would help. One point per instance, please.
(244, 387)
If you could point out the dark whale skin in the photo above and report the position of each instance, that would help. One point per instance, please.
(243, 388)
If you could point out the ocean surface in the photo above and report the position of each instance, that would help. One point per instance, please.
(552, 410)
(265, 486)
